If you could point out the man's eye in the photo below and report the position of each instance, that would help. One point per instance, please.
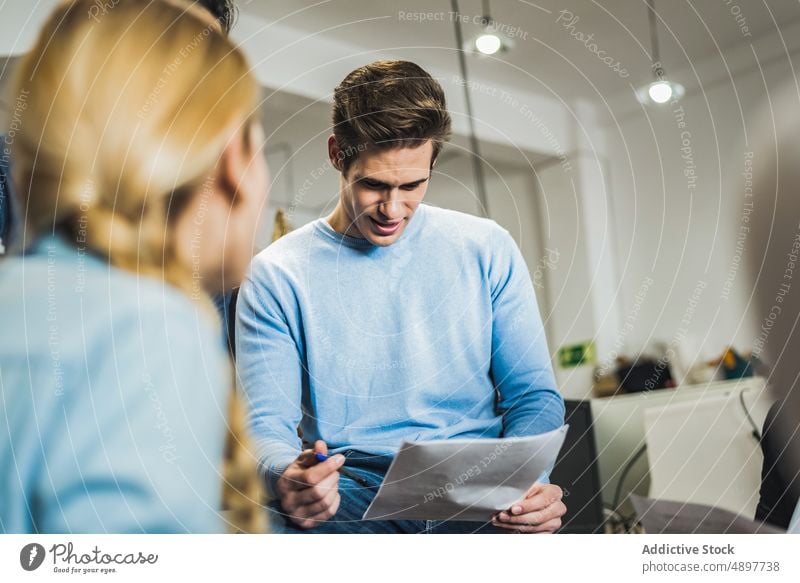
(410, 187)
(373, 185)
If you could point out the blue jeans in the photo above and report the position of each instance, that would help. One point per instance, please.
(355, 499)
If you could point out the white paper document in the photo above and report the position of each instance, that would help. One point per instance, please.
(463, 479)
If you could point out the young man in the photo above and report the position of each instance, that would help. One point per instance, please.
(389, 320)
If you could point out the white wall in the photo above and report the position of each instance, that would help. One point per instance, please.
(303, 128)
(571, 315)
(682, 231)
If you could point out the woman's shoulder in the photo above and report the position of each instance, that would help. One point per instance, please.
(85, 304)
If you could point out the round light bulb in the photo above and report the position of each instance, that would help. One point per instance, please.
(660, 91)
(488, 44)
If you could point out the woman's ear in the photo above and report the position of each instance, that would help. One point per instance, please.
(231, 166)
(238, 162)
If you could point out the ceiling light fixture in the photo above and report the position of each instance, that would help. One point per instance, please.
(661, 90)
(490, 40)
(488, 43)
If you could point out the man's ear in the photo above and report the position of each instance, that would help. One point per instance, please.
(335, 153)
(430, 171)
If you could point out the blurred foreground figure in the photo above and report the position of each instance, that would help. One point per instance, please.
(774, 254)
(138, 176)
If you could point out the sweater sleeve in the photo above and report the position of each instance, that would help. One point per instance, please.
(269, 368)
(527, 395)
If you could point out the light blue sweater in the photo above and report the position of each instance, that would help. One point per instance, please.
(436, 336)
(114, 392)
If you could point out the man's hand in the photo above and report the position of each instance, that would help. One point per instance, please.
(309, 489)
(540, 511)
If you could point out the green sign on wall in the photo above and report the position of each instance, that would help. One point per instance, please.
(576, 354)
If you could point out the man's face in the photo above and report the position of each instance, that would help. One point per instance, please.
(381, 190)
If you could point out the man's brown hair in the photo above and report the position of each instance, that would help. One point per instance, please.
(389, 104)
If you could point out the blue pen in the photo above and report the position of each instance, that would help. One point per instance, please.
(321, 457)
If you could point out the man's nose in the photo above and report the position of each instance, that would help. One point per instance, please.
(392, 208)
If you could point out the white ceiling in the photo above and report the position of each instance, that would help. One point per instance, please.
(547, 59)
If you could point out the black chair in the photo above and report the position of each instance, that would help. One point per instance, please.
(576, 472)
(780, 480)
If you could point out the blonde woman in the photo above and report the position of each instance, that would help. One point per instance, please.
(139, 176)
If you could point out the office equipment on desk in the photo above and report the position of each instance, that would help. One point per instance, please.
(707, 451)
(644, 375)
(576, 472)
(620, 431)
(463, 479)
